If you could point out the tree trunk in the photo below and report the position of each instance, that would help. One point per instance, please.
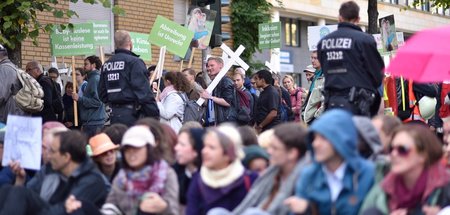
(372, 11)
(15, 55)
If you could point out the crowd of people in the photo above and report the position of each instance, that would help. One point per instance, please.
(262, 146)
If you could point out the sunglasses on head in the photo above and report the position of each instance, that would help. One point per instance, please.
(401, 150)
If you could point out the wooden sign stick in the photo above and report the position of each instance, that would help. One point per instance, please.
(74, 80)
(191, 58)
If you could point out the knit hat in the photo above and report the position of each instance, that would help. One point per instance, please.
(138, 136)
(253, 152)
(101, 143)
(197, 136)
(367, 133)
(233, 134)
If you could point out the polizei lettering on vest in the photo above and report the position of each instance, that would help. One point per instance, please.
(337, 43)
(112, 66)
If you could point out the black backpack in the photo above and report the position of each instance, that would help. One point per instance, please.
(192, 111)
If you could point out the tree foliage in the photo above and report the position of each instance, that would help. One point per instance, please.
(19, 21)
(246, 15)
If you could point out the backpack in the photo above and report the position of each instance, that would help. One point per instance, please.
(57, 103)
(29, 98)
(192, 111)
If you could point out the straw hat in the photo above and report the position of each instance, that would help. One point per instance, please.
(101, 143)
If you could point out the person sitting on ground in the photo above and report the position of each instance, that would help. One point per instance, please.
(79, 178)
(189, 158)
(104, 155)
(339, 179)
(146, 183)
(417, 183)
(222, 180)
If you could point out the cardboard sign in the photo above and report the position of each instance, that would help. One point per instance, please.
(380, 48)
(78, 41)
(201, 22)
(316, 33)
(269, 35)
(102, 32)
(141, 45)
(388, 33)
(23, 142)
(172, 35)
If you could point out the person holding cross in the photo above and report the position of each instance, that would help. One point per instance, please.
(220, 102)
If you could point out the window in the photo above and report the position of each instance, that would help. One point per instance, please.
(291, 32)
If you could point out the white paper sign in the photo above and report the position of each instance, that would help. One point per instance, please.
(315, 33)
(23, 141)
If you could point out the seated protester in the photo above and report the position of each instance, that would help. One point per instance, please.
(78, 177)
(104, 155)
(222, 180)
(188, 152)
(369, 142)
(115, 132)
(256, 159)
(146, 183)
(339, 179)
(162, 139)
(171, 100)
(287, 157)
(385, 126)
(417, 182)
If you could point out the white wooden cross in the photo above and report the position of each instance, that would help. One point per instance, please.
(234, 57)
(272, 67)
(274, 64)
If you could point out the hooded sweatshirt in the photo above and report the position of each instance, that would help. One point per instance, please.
(338, 128)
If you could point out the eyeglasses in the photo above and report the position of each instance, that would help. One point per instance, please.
(401, 150)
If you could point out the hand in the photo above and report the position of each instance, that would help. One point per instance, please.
(152, 203)
(75, 96)
(18, 171)
(430, 210)
(72, 204)
(258, 129)
(399, 212)
(68, 124)
(205, 95)
(296, 204)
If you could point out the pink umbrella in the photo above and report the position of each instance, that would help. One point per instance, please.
(425, 57)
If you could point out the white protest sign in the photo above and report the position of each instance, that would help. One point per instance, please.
(234, 57)
(23, 142)
(272, 67)
(316, 33)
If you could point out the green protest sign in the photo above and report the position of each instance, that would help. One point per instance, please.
(73, 42)
(102, 32)
(175, 37)
(141, 45)
(269, 35)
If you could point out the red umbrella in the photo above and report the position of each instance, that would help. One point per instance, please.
(425, 57)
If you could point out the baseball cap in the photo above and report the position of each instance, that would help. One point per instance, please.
(101, 143)
(138, 136)
(309, 68)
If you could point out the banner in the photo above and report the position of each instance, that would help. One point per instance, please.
(172, 35)
(141, 45)
(23, 142)
(73, 42)
(316, 33)
(201, 22)
(269, 35)
(102, 32)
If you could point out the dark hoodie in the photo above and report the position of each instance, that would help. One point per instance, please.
(338, 128)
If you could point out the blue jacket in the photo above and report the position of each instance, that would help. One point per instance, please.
(92, 110)
(337, 127)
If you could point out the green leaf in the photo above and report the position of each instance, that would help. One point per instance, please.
(34, 33)
(71, 13)
(58, 13)
(7, 24)
(118, 10)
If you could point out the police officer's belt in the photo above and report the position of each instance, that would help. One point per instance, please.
(130, 106)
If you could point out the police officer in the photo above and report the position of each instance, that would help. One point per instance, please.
(124, 84)
(352, 65)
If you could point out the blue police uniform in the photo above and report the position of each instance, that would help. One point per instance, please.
(352, 69)
(124, 86)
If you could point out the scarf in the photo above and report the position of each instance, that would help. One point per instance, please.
(262, 188)
(166, 91)
(400, 196)
(223, 177)
(148, 179)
